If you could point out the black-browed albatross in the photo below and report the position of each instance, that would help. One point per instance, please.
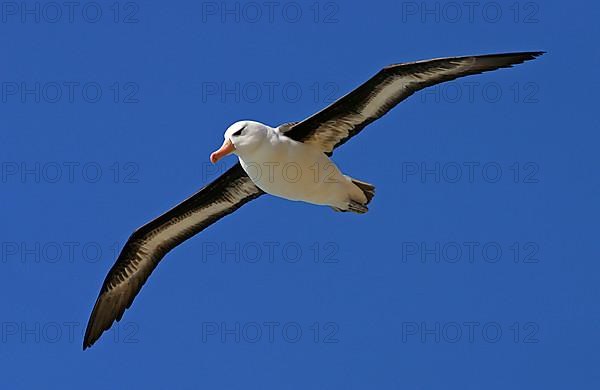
(263, 153)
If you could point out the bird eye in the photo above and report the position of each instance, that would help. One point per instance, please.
(239, 132)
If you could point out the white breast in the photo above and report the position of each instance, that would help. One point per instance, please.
(295, 171)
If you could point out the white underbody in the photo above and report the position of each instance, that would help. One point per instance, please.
(292, 170)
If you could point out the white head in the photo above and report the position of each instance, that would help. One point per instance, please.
(240, 138)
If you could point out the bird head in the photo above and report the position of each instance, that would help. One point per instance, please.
(240, 138)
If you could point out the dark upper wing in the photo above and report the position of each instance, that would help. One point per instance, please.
(345, 118)
(149, 244)
(285, 127)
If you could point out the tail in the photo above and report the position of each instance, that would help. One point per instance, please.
(367, 189)
(355, 206)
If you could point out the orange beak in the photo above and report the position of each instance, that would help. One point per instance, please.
(226, 149)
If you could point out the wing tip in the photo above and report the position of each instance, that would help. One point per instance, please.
(527, 55)
(91, 334)
(99, 322)
(515, 58)
(535, 53)
(95, 329)
(88, 341)
(522, 55)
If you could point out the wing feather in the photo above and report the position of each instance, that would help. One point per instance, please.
(346, 117)
(149, 244)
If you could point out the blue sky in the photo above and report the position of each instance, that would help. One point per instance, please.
(476, 266)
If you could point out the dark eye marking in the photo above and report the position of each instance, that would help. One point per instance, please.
(239, 132)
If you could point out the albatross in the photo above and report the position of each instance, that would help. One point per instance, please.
(291, 161)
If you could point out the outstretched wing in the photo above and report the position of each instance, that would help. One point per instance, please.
(345, 118)
(149, 244)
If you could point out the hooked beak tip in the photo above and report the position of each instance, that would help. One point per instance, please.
(226, 149)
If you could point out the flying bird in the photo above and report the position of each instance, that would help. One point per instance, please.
(291, 161)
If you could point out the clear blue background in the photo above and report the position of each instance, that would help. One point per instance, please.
(171, 53)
